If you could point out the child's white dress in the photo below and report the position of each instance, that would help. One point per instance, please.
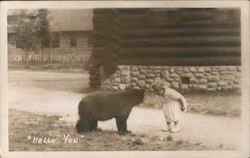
(172, 102)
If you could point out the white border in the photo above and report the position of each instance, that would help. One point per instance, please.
(244, 5)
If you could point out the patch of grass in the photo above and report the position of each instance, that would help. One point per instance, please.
(179, 142)
(137, 141)
(26, 128)
(169, 138)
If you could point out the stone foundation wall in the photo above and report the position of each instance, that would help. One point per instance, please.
(210, 78)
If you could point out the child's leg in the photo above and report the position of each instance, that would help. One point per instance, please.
(168, 126)
(176, 127)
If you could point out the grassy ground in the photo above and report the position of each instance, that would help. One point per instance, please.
(25, 127)
(226, 103)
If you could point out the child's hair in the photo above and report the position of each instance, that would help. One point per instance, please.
(159, 85)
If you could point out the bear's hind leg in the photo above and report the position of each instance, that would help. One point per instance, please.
(121, 123)
(83, 125)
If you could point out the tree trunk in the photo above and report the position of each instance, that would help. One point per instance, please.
(27, 59)
(42, 54)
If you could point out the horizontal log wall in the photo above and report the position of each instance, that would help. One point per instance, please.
(167, 37)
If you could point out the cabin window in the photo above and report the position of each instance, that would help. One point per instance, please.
(55, 40)
(73, 42)
(11, 20)
(19, 43)
(185, 80)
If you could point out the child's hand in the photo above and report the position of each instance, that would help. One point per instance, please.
(184, 109)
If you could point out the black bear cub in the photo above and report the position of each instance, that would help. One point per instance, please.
(103, 105)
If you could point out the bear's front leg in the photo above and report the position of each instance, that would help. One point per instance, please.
(121, 123)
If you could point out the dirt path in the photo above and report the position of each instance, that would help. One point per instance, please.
(51, 93)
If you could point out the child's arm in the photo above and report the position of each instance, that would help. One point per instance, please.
(183, 103)
(176, 95)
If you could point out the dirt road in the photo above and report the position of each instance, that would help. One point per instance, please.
(38, 92)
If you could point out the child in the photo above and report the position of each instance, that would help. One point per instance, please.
(173, 103)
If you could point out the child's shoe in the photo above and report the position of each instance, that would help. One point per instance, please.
(175, 129)
(169, 127)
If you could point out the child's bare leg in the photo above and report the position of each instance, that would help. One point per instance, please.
(168, 126)
(176, 127)
(176, 123)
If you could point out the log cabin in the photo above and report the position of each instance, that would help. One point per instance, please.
(189, 48)
(70, 33)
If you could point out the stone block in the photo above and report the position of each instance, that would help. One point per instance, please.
(236, 81)
(171, 70)
(125, 72)
(177, 79)
(227, 87)
(199, 75)
(134, 79)
(143, 72)
(133, 84)
(133, 69)
(142, 77)
(186, 70)
(186, 74)
(212, 85)
(175, 85)
(193, 69)
(158, 75)
(141, 83)
(201, 70)
(147, 86)
(237, 86)
(134, 73)
(107, 81)
(149, 81)
(232, 68)
(207, 69)
(222, 68)
(215, 73)
(117, 80)
(203, 81)
(239, 69)
(228, 77)
(150, 75)
(122, 86)
(201, 87)
(222, 83)
(174, 75)
(156, 71)
(211, 89)
(193, 80)
(238, 75)
(170, 79)
(213, 78)
(179, 69)
(164, 74)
